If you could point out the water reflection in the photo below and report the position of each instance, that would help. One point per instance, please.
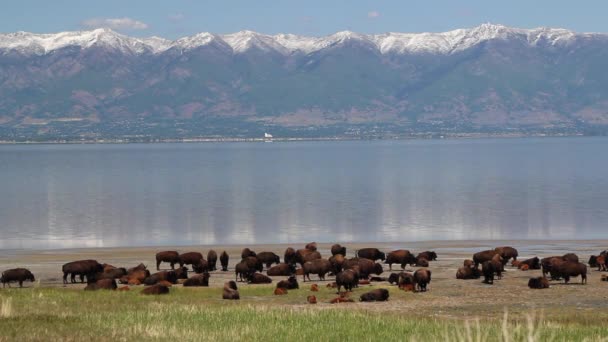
(126, 195)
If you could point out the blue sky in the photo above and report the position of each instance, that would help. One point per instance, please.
(173, 19)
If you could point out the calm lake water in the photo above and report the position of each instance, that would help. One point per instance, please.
(58, 196)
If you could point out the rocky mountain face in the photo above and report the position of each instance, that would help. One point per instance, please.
(492, 78)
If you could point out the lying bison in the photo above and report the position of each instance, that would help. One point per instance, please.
(197, 280)
(157, 289)
(468, 273)
(422, 278)
(319, 267)
(268, 258)
(338, 249)
(258, 278)
(16, 275)
(224, 258)
(82, 268)
(102, 284)
(402, 257)
(291, 283)
(170, 276)
(230, 291)
(212, 260)
(371, 254)
(282, 270)
(378, 295)
(172, 257)
(428, 255)
(533, 263)
(538, 283)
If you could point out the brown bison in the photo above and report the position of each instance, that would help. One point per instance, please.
(291, 283)
(468, 263)
(337, 263)
(290, 256)
(338, 249)
(198, 280)
(393, 278)
(314, 288)
(366, 267)
(570, 257)
(268, 258)
(347, 279)
(405, 279)
(524, 267)
(341, 299)
(319, 267)
(311, 246)
(468, 273)
(157, 289)
(422, 262)
(201, 267)
(305, 255)
(371, 254)
(242, 270)
(402, 257)
(230, 291)
(254, 263)
(111, 273)
(428, 255)
(282, 270)
(83, 268)
(422, 278)
(170, 276)
(311, 299)
(538, 283)
(102, 284)
(507, 253)
(224, 258)
(547, 264)
(246, 252)
(18, 275)
(258, 278)
(172, 257)
(135, 276)
(378, 279)
(140, 267)
(190, 258)
(601, 263)
(378, 295)
(279, 291)
(481, 257)
(489, 268)
(569, 269)
(212, 260)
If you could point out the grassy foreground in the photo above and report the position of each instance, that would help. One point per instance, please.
(199, 314)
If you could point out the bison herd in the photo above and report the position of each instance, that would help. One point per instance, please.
(366, 266)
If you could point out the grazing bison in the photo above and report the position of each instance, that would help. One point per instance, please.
(538, 283)
(428, 255)
(481, 257)
(347, 279)
(338, 249)
(201, 266)
(212, 260)
(157, 289)
(190, 258)
(569, 269)
(507, 253)
(242, 270)
(258, 278)
(16, 274)
(371, 254)
(402, 257)
(291, 283)
(172, 257)
(282, 270)
(422, 278)
(83, 268)
(318, 266)
(290, 256)
(305, 255)
(489, 268)
(533, 263)
(170, 276)
(198, 280)
(311, 246)
(268, 258)
(230, 291)
(337, 263)
(378, 295)
(224, 258)
(246, 252)
(468, 273)
(366, 267)
(102, 284)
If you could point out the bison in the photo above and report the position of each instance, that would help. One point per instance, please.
(254, 263)
(318, 266)
(337, 263)
(311, 300)
(366, 267)
(347, 279)
(258, 278)
(198, 280)
(489, 268)
(422, 278)
(243, 270)
(422, 262)
(538, 283)
(201, 266)
(570, 257)
(102, 284)
(290, 256)
(190, 258)
(111, 273)
(533, 263)
(170, 276)
(378, 295)
(16, 274)
(246, 252)
(401, 256)
(291, 283)
(83, 268)
(172, 257)
(157, 289)
(212, 260)
(280, 291)
(428, 255)
(468, 263)
(507, 253)
(311, 246)
(224, 258)
(371, 254)
(305, 255)
(483, 256)
(268, 258)
(569, 269)
(230, 291)
(338, 249)
(282, 270)
(468, 273)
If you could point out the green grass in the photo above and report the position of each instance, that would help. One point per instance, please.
(199, 314)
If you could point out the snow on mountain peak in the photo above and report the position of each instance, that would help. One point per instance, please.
(240, 42)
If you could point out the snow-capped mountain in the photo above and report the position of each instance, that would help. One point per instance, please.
(240, 42)
(488, 78)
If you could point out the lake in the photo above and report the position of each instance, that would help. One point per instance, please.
(64, 196)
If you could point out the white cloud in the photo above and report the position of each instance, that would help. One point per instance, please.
(115, 23)
(373, 14)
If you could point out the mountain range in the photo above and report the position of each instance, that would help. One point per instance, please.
(490, 78)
